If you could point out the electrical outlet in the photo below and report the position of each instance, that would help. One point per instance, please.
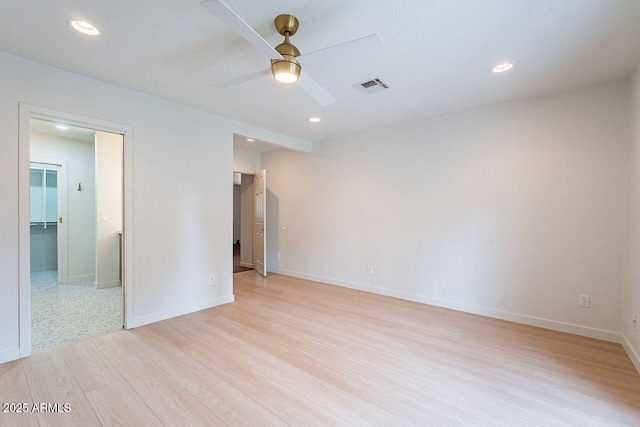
(278, 256)
(584, 301)
(370, 269)
(635, 321)
(212, 280)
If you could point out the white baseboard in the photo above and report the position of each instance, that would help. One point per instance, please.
(85, 278)
(633, 355)
(247, 264)
(9, 355)
(585, 331)
(105, 285)
(179, 311)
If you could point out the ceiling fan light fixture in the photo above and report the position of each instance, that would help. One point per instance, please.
(286, 70)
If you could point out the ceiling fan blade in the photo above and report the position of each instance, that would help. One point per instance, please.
(359, 48)
(316, 91)
(242, 79)
(228, 17)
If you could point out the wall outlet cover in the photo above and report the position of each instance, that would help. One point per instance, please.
(584, 301)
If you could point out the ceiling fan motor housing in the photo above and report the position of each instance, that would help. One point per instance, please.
(286, 24)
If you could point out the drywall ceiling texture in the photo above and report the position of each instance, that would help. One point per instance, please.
(182, 164)
(632, 264)
(510, 211)
(436, 59)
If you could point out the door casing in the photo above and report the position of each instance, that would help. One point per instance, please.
(26, 113)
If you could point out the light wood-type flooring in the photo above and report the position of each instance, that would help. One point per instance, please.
(294, 352)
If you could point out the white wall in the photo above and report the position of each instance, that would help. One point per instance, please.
(246, 161)
(510, 211)
(182, 195)
(109, 208)
(631, 296)
(79, 159)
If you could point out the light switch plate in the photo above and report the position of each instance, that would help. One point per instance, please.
(104, 217)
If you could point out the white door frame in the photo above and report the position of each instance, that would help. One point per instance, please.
(27, 112)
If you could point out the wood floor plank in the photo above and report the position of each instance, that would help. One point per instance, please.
(605, 403)
(224, 400)
(52, 382)
(13, 382)
(333, 399)
(90, 368)
(295, 352)
(356, 379)
(513, 399)
(167, 334)
(387, 363)
(20, 419)
(539, 348)
(236, 408)
(288, 406)
(183, 369)
(168, 400)
(117, 404)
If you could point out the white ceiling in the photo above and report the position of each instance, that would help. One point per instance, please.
(72, 132)
(436, 60)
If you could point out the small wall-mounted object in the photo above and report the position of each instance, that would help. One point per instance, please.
(79, 186)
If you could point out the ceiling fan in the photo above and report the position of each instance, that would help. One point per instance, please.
(286, 61)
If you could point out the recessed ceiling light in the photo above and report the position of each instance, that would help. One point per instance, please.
(250, 140)
(314, 119)
(501, 68)
(85, 28)
(62, 127)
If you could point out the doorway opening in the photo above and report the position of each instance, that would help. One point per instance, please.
(249, 219)
(243, 220)
(76, 220)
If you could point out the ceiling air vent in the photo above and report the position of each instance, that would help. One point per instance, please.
(369, 87)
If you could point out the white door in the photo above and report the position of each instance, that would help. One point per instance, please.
(260, 252)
